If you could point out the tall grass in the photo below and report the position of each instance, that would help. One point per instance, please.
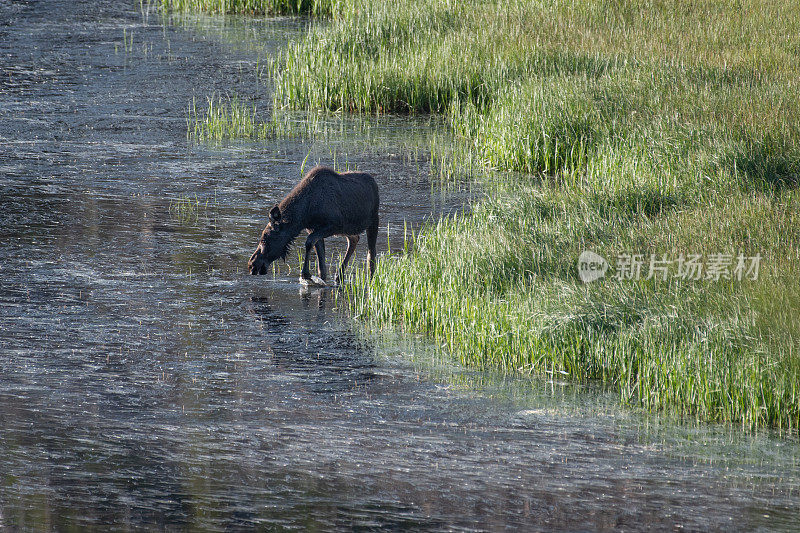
(419, 55)
(618, 126)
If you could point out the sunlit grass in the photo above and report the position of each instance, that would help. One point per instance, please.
(498, 288)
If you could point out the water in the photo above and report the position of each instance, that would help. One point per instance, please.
(147, 381)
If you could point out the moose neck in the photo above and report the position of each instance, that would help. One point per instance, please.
(293, 212)
(287, 232)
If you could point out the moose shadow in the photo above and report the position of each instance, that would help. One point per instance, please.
(316, 345)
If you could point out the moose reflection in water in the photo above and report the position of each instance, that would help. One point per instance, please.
(324, 203)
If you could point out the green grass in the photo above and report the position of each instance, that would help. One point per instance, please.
(620, 126)
(498, 288)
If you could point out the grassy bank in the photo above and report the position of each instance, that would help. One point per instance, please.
(660, 129)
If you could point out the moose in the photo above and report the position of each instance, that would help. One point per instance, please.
(324, 203)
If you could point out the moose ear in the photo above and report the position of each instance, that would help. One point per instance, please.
(275, 215)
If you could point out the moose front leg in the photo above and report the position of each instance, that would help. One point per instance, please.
(311, 241)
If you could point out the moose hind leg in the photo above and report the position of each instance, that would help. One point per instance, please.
(322, 268)
(372, 239)
(352, 240)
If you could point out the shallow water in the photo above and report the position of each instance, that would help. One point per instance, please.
(146, 380)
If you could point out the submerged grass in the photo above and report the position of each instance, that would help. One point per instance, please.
(252, 7)
(226, 118)
(626, 127)
(187, 210)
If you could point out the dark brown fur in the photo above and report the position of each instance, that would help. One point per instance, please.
(324, 203)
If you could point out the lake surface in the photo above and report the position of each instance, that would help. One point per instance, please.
(146, 381)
